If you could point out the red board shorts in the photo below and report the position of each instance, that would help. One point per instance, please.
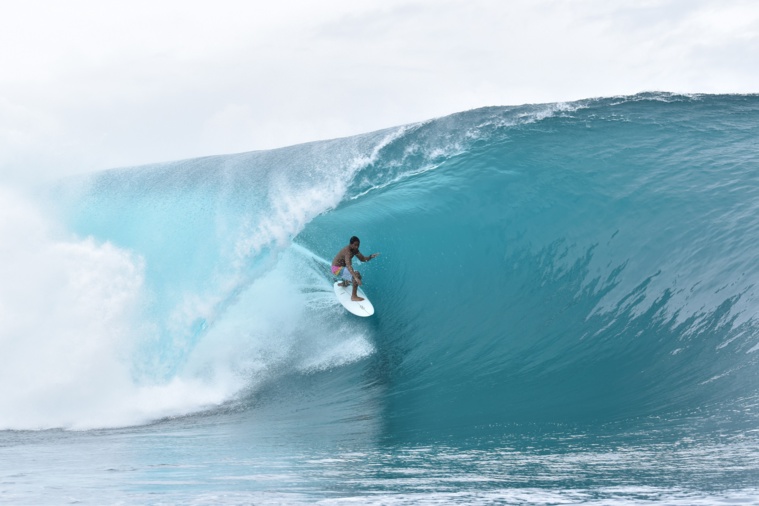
(342, 273)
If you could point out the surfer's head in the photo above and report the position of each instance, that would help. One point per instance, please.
(354, 242)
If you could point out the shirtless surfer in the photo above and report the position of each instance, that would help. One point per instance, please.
(342, 268)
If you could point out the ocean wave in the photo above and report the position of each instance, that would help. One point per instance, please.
(587, 262)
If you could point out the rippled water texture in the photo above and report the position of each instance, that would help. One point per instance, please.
(565, 306)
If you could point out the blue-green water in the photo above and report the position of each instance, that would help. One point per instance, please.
(566, 314)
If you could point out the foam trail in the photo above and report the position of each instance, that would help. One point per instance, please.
(78, 345)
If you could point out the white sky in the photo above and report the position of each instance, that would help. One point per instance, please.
(93, 84)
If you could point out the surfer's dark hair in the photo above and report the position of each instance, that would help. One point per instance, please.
(354, 239)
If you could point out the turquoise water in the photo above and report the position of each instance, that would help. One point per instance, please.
(566, 314)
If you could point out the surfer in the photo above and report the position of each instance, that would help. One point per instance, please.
(342, 268)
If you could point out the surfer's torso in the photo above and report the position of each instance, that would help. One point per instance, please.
(345, 256)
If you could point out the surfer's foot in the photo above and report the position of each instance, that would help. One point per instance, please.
(344, 283)
(357, 299)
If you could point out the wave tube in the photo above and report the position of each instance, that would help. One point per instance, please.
(585, 262)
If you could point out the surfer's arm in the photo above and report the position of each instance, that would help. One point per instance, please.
(349, 265)
(366, 259)
(356, 278)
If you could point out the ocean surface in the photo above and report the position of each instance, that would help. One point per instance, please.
(566, 313)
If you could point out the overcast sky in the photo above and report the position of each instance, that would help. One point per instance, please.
(93, 84)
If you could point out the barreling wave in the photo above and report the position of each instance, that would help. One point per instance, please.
(584, 262)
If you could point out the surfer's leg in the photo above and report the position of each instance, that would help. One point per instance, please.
(355, 293)
(355, 296)
(345, 276)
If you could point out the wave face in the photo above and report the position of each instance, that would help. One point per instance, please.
(590, 262)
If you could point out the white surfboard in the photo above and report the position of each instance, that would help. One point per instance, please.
(358, 308)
